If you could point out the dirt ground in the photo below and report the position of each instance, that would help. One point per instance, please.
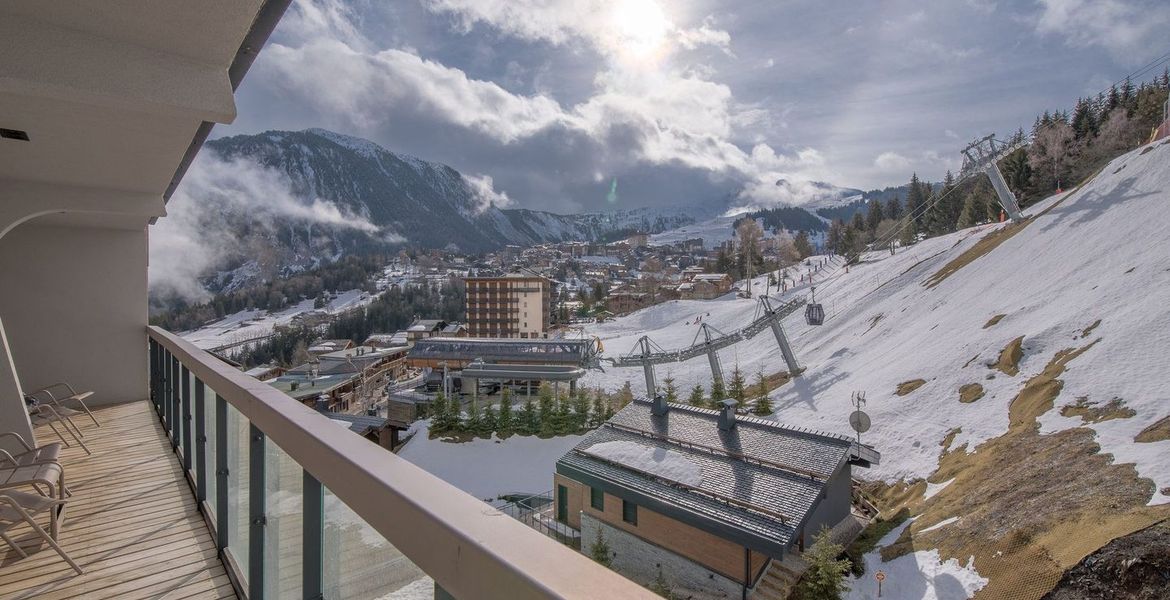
(909, 386)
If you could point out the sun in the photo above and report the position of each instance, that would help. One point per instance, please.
(640, 29)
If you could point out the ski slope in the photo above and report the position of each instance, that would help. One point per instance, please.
(249, 324)
(1097, 253)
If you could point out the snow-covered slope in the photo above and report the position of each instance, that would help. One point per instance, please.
(252, 324)
(1085, 282)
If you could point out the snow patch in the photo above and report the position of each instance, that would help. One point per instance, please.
(934, 488)
(940, 524)
(670, 465)
(920, 575)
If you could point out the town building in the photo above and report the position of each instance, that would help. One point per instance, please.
(513, 306)
(709, 496)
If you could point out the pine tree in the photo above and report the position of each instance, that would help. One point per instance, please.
(545, 407)
(598, 417)
(626, 395)
(487, 422)
(528, 422)
(718, 393)
(802, 244)
(600, 551)
(825, 577)
(909, 232)
(763, 402)
(894, 208)
(737, 390)
(580, 419)
(875, 216)
(474, 420)
(504, 422)
(696, 397)
(562, 421)
(440, 415)
(671, 391)
(915, 200)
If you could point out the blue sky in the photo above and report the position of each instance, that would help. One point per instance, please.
(549, 101)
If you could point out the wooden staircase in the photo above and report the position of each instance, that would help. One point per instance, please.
(780, 578)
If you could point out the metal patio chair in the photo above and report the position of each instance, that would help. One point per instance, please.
(46, 478)
(45, 414)
(22, 507)
(66, 393)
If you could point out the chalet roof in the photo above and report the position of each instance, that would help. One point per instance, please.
(755, 484)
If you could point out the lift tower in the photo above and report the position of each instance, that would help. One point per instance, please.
(982, 156)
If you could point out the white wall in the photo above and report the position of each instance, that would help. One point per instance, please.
(74, 306)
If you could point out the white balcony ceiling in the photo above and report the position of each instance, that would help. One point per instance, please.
(112, 93)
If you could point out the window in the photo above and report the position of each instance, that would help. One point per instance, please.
(629, 512)
(597, 498)
(562, 504)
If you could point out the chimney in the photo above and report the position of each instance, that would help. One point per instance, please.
(323, 403)
(727, 415)
(659, 407)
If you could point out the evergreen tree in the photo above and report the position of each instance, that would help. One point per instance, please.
(915, 200)
(894, 208)
(600, 551)
(908, 233)
(718, 393)
(562, 421)
(504, 422)
(528, 422)
(738, 388)
(671, 391)
(802, 244)
(440, 415)
(626, 395)
(858, 223)
(599, 413)
(474, 420)
(580, 420)
(545, 406)
(763, 402)
(825, 577)
(696, 397)
(487, 422)
(875, 216)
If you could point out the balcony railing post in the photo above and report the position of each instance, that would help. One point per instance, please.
(200, 444)
(185, 418)
(176, 421)
(256, 517)
(152, 353)
(313, 538)
(221, 474)
(168, 384)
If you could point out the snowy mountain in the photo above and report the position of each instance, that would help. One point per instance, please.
(1014, 374)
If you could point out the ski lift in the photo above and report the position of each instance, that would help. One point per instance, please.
(814, 313)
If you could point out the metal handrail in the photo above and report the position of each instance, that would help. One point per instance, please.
(470, 551)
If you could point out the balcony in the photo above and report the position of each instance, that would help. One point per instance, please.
(220, 486)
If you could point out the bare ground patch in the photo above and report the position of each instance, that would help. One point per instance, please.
(1031, 505)
(970, 393)
(1091, 412)
(985, 245)
(1158, 432)
(993, 321)
(906, 387)
(1009, 357)
(1086, 331)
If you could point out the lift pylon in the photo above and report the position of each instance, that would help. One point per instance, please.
(982, 156)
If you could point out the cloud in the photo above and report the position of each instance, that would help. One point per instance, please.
(485, 193)
(1129, 30)
(671, 115)
(891, 161)
(215, 198)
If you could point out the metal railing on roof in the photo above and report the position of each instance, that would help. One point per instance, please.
(465, 547)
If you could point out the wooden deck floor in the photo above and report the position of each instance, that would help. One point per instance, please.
(131, 524)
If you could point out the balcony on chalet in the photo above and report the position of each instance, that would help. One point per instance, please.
(200, 481)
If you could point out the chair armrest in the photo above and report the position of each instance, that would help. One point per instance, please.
(59, 384)
(19, 438)
(5, 457)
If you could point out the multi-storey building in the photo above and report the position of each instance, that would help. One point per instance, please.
(513, 306)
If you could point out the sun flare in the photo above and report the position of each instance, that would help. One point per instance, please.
(640, 28)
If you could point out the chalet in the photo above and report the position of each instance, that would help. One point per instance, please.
(327, 346)
(424, 328)
(711, 497)
(376, 429)
(621, 303)
(706, 286)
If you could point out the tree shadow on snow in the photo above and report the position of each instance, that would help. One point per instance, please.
(806, 388)
(1090, 205)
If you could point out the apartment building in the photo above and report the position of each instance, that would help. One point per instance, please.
(513, 306)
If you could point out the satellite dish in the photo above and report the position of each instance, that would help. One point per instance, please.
(859, 421)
